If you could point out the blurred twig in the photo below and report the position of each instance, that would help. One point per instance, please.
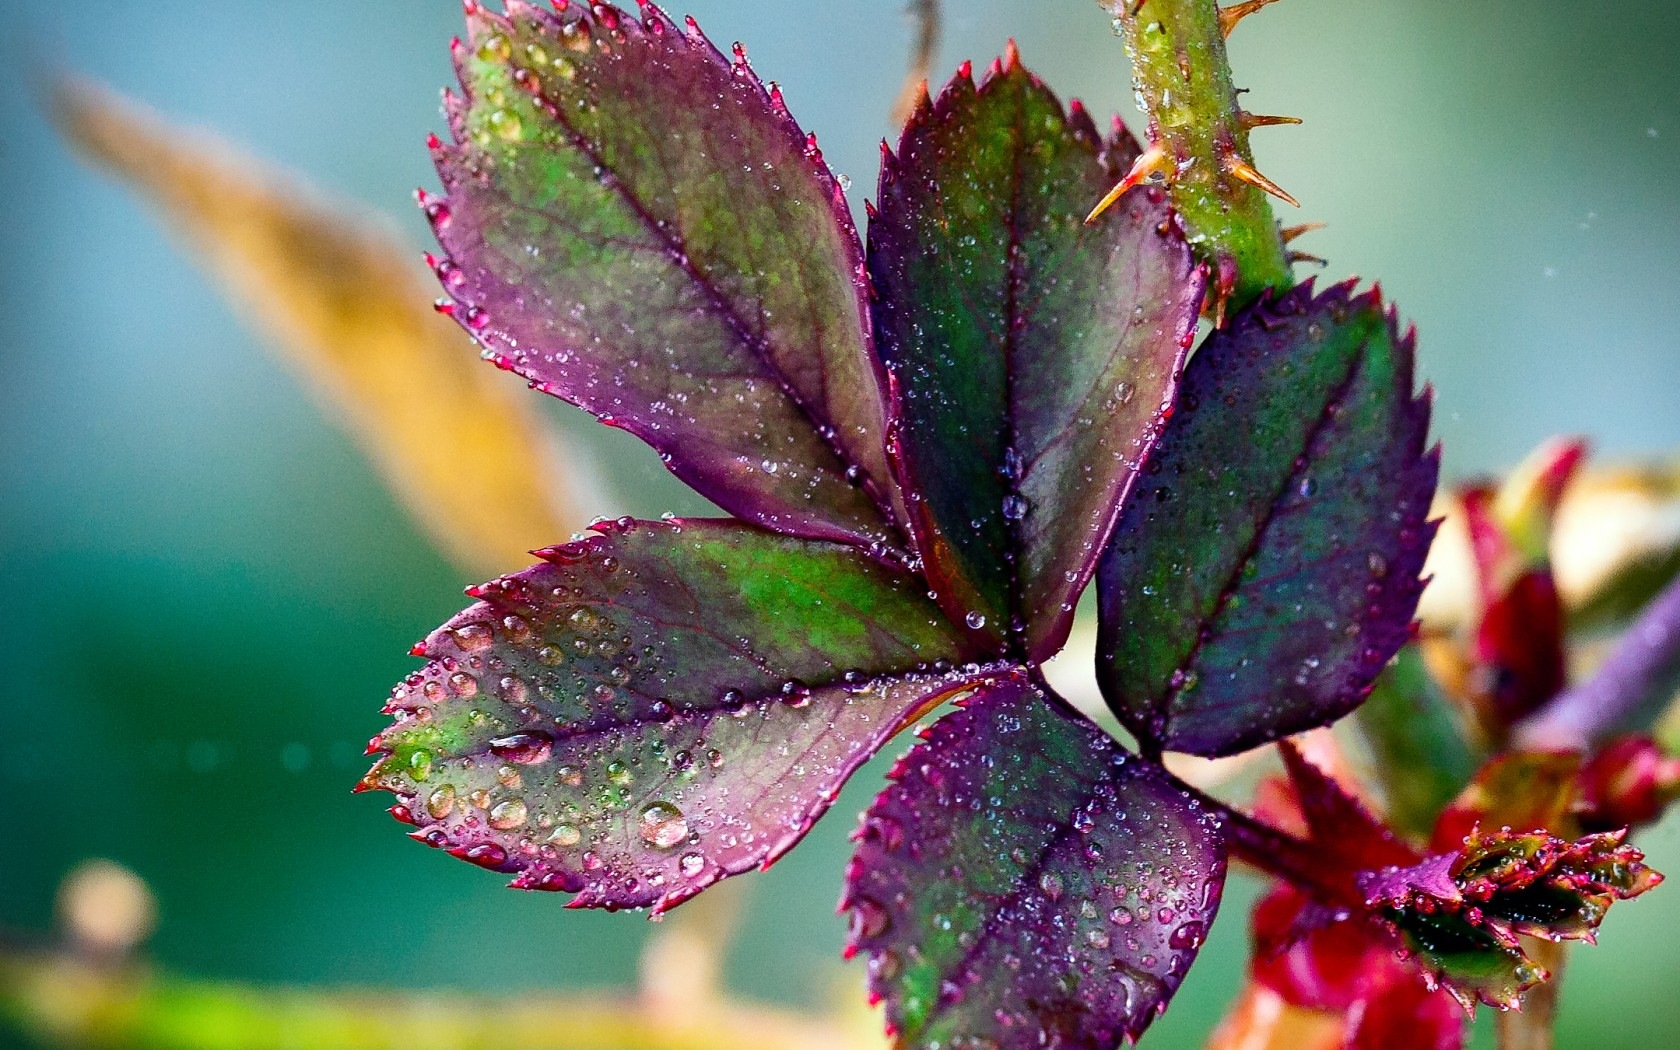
(340, 297)
(928, 22)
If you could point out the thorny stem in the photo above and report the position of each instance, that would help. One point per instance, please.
(1198, 142)
(1628, 691)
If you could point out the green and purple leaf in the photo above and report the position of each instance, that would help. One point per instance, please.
(635, 224)
(1024, 882)
(660, 706)
(1033, 357)
(1266, 568)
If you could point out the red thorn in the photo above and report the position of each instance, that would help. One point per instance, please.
(966, 70)
(1011, 55)
(419, 649)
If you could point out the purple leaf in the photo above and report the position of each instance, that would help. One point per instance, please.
(636, 225)
(1034, 356)
(1266, 568)
(658, 707)
(1024, 882)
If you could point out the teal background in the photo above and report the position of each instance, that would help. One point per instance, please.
(205, 593)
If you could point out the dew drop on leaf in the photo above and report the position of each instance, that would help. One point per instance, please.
(508, 815)
(663, 825)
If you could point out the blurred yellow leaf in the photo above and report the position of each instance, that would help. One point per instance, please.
(342, 297)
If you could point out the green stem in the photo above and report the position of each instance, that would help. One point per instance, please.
(1200, 135)
(1532, 1027)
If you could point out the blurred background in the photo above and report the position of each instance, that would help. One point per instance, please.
(208, 590)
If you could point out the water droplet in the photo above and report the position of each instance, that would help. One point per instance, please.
(692, 864)
(506, 123)
(565, 835)
(526, 748)
(420, 765)
(441, 802)
(508, 815)
(1308, 488)
(473, 637)
(663, 825)
(1188, 937)
(1051, 884)
(1015, 506)
(975, 620)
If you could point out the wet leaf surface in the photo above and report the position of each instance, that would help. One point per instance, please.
(1267, 567)
(1034, 357)
(635, 224)
(1024, 882)
(659, 706)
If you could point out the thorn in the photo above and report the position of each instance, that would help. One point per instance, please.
(1152, 161)
(1238, 168)
(1230, 16)
(1224, 282)
(1292, 232)
(1257, 120)
(1303, 257)
(966, 70)
(1011, 55)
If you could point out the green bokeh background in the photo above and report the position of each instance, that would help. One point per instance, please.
(205, 593)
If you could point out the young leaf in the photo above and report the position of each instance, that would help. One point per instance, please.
(1033, 356)
(344, 304)
(1024, 882)
(658, 707)
(636, 225)
(1464, 914)
(1267, 567)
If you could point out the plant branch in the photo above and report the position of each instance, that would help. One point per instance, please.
(1275, 852)
(1628, 691)
(926, 15)
(1198, 142)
